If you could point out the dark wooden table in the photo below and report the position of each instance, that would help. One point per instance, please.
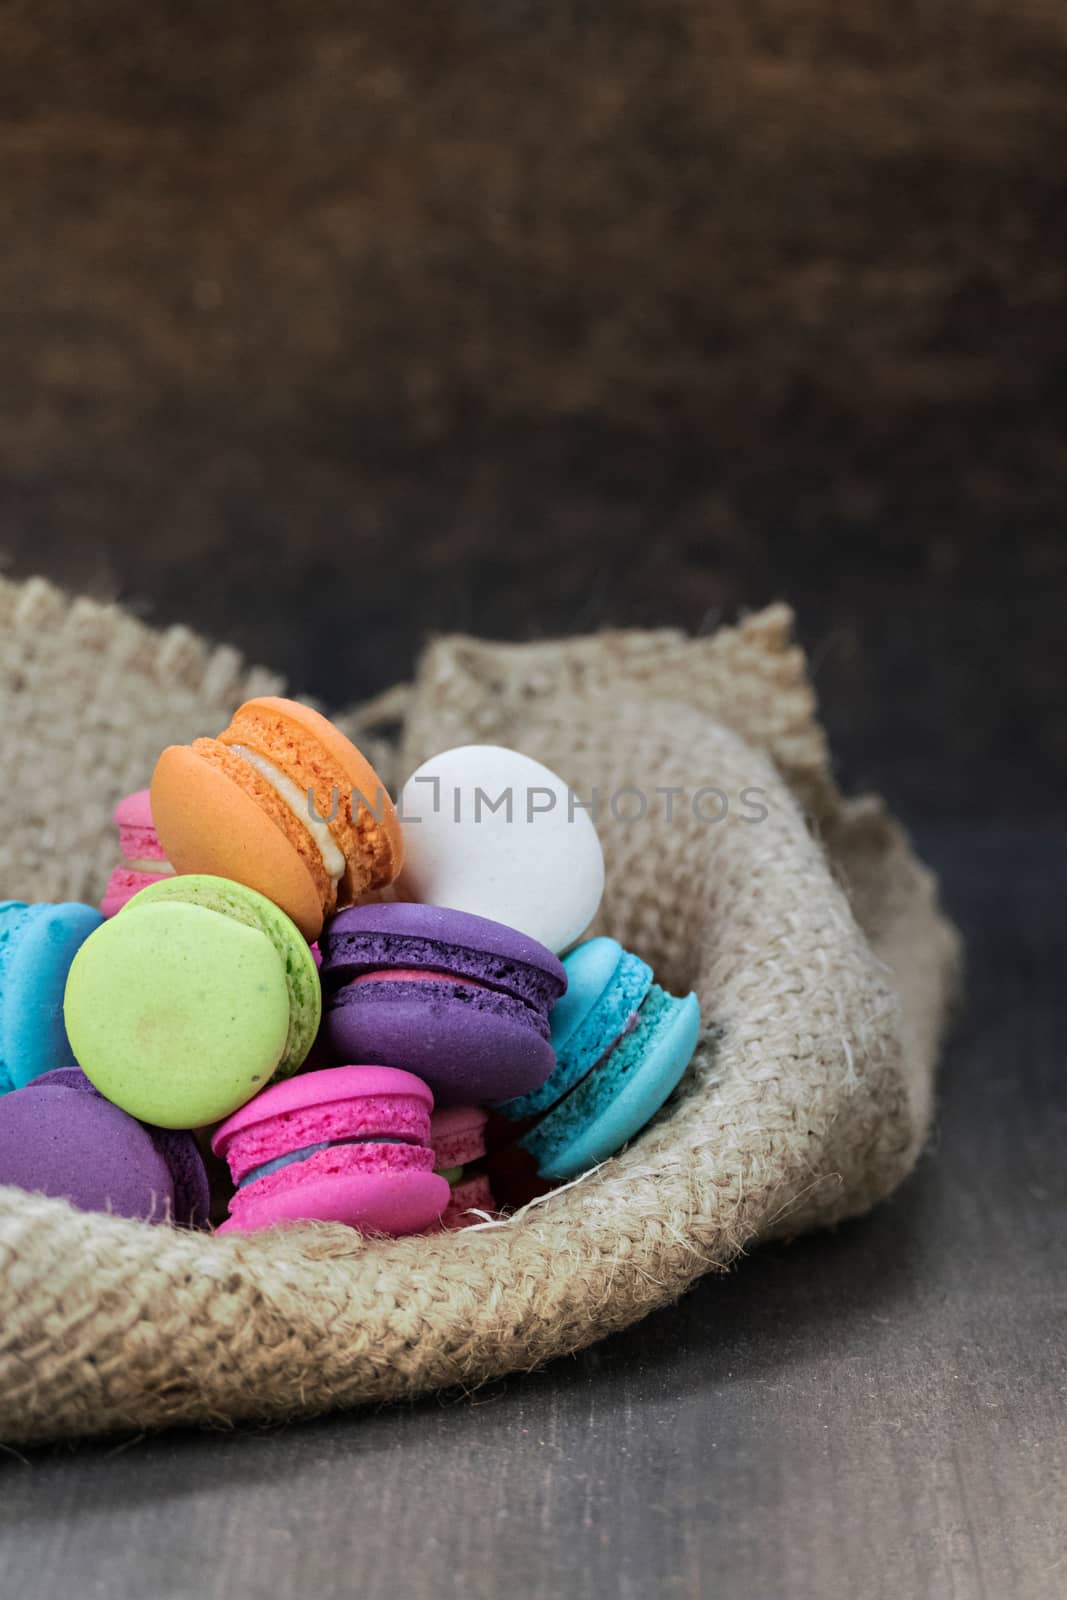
(325, 327)
(874, 1412)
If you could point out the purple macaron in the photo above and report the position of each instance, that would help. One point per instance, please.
(59, 1136)
(459, 1000)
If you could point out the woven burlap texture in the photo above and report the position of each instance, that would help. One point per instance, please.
(812, 937)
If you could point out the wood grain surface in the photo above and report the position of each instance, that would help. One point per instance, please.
(874, 1414)
(329, 325)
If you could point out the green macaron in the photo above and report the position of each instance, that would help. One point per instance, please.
(191, 1000)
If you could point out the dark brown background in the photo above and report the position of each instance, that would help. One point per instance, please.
(326, 325)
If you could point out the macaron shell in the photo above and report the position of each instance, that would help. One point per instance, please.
(394, 1203)
(469, 1197)
(177, 1014)
(355, 774)
(457, 1135)
(540, 870)
(209, 825)
(328, 1087)
(192, 1189)
(229, 899)
(590, 967)
(596, 1014)
(220, 1183)
(123, 884)
(134, 811)
(464, 1052)
(15, 918)
(68, 1078)
(192, 1195)
(79, 1147)
(618, 1098)
(404, 934)
(138, 839)
(37, 945)
(336, 1103)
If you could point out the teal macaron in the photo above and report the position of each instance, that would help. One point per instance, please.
(622, 1044)
(191, 1000)
(37, 945)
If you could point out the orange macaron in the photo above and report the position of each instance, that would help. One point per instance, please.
(238, 807)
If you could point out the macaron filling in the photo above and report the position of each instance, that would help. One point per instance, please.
(153, 868)
(415, 975)
(333, 861)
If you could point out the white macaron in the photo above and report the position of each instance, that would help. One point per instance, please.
(491, 831)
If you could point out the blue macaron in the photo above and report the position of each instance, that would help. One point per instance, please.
(622, 1044)
(37, 945)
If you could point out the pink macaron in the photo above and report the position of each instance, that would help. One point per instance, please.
(346, 1144)
(457, 1134)
(144, 860)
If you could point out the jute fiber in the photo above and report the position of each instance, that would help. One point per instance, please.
(812, 937)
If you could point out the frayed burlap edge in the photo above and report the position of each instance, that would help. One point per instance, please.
(813, 938)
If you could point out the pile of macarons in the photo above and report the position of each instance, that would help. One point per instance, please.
(374, 1013)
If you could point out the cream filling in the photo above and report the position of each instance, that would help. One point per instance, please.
(162, 869)
(333, 860)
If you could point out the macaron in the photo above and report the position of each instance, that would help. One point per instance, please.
(495, 833)
(282, 802)
(459, 1000)
(58, 1136)
(458, 1137)
(349, 1144)
(622, 1044)
(143, 861)
(192, 1000)
(37, 945)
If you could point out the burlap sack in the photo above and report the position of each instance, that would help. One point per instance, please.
(812, 937)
